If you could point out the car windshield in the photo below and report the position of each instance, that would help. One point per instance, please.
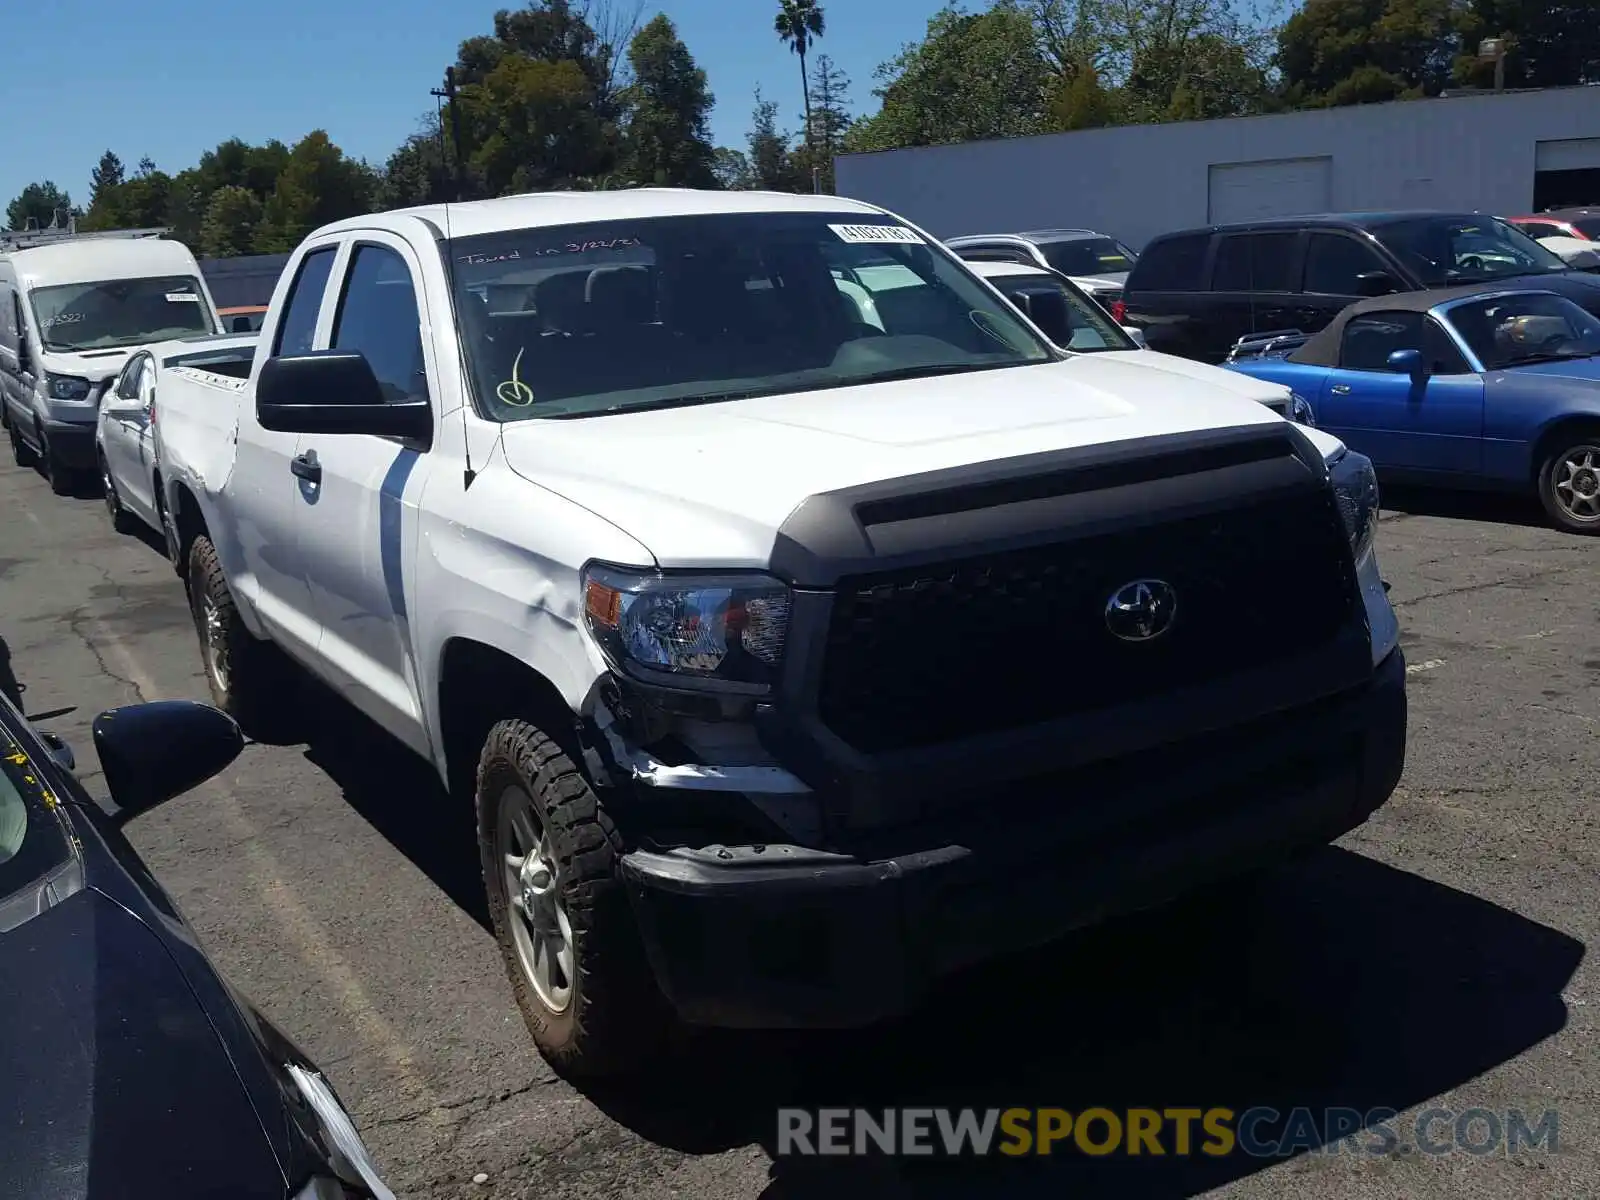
(120, 312)
(1089, 256)
(577, 321)
(1070, 319)
(32, 843)
(1442, 251)
(1588, 226)
(1506, 331)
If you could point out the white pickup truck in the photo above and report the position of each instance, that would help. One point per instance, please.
(791, 662)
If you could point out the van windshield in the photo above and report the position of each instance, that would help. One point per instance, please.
(581, 320)
(120, 312)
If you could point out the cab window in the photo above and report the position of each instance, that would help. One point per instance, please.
(378, 318)
(298, 327)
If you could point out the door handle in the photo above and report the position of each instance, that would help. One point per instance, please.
(306, 466)
(1340, 389)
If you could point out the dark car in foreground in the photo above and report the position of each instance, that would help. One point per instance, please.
(1195, 293)
(131, 1068)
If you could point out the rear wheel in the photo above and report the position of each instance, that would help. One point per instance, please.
(248, 679)
(562, 919)
(1569, 482)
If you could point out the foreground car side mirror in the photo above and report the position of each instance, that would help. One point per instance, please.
(335, 391)
(153, 752)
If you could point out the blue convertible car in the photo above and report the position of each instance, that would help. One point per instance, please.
(1458, 387)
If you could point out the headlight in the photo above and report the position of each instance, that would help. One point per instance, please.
(1300, 410)
(65, 387)
(1355, 484)
(713, 632)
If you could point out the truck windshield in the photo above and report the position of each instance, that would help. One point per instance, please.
(1089, 256)
(1444, 251)
(577, 321)
(120, 312)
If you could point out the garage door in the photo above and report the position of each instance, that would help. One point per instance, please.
(1282, 187)
(1569, 154)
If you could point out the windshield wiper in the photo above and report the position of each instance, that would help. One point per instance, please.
(1525, 359)
(925, 371)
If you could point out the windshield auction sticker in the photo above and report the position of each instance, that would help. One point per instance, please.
(866, 235)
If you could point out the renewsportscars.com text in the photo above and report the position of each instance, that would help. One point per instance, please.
(1259, 1132)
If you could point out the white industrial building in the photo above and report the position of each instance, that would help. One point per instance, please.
(1506, 153)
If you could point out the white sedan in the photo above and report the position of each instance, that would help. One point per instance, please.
(1075, 322)
(125, 444)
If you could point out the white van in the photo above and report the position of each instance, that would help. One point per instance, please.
(70, 315)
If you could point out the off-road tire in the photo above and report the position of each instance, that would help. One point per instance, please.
(616, 1021)
(122, 520)
(256, 689)
(1548, 470)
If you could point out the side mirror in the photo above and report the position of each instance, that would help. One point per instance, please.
(153, 752)
(241, 325)
(334, 391)
(1049, 311)
(1408, 362)
(24, 354)
(1375, 283)
(1137, 334)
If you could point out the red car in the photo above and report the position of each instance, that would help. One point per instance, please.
(1580, 223)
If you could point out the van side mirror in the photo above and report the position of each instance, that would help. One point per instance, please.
(1376, 283)
(24, 353)
(335, 391)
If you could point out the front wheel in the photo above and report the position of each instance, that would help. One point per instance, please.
(562, 919)
(1569, 483)
(21, 452)
(121, 519)
(61, 479)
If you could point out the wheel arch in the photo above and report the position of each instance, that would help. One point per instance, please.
(1569, 425)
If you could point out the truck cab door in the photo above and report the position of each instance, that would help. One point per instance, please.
(358, 520)
(264, 493)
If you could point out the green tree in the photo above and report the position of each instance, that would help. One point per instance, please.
(799, 24)
(541, 100)
(229, 228)
(830, 123)
(1079, 102)
(732, 170)
(666, 142)
(974, 76)
(40, 203)
(1335, 52)
(107, 175)
(141, 201)
(1551, 43)
(232, 163)
(418, 172)
(318, 185)
(772, 166)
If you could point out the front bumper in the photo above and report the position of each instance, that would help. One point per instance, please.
(783, 936)
(72, 443)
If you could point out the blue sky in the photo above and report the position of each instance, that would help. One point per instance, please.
(171, 78)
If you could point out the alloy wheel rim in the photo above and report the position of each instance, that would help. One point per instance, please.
(540, 929)
(214, 636)
(1576, 484)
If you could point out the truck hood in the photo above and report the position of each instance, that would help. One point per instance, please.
(1260, 390)
(1116, 279)
(709, 485)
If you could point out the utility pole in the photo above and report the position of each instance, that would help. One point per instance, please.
(450, 95)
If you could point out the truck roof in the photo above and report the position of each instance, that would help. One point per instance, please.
(539, 209)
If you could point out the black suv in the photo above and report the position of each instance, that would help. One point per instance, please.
(1198, 291)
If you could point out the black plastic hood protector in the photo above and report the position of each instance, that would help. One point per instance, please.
(115, 1084)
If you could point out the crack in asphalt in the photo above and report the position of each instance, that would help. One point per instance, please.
(81, 616)
(1536, 577)
(464, 1107)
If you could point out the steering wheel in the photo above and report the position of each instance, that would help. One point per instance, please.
(1472, 262)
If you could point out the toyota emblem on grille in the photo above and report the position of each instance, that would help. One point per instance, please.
(1141, 611)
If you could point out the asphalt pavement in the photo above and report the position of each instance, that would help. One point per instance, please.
(1436, 957)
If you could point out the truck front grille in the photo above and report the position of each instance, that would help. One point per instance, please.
(1001, 641)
